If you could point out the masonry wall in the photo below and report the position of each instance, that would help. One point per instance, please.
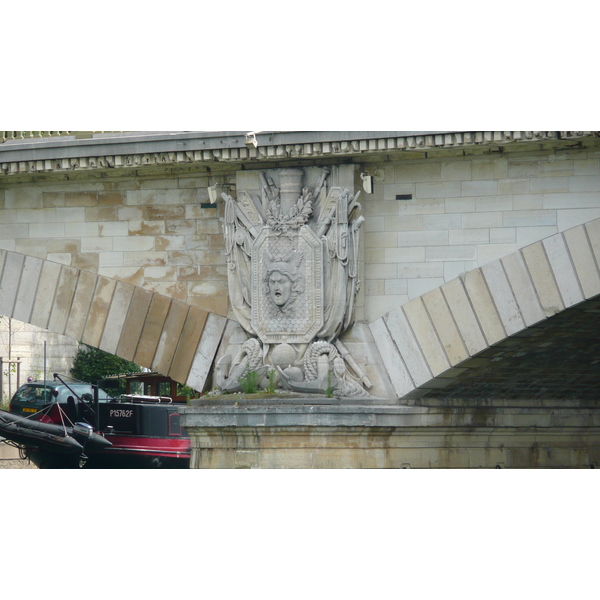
(466, 211)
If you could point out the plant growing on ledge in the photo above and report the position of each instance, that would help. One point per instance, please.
(271, 381)
(249, 381)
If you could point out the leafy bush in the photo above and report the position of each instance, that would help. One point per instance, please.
(92, 365)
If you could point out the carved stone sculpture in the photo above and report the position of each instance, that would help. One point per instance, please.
(292, 257)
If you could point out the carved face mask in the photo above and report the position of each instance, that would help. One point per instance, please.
(280, 288)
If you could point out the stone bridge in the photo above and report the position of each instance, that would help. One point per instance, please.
(480, 249)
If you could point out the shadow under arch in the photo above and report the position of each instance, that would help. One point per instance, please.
(423, 342)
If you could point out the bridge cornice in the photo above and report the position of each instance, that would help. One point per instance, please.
(137, 152)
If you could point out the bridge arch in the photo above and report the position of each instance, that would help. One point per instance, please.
(425, 341)
(155, 331)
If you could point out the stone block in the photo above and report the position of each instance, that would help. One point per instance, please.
(102, 213)
(65, 289)
(513, 186)
(207, 348)
(85, 230)
(503, 296)
(423, 238)
(543, 280)
(568, 219)
(445, 327)
(464, 316)
(117, 314)
(572, 200)
(425, 333)
(450, 189)
(489, 169)
(145, 197)
(458, 268)
(529, 218)
(145, 259)
(469, 236)
(564, 272)
(456, 170)
(120, 229)
(30, 275)
(418, 287)
(523, 289)
(153, 326)
(394, 287)
(41, 230)
(482, 220)
(583, 261)
(133, 275)
(139, 243)
(590, 166)
(9, 285)
(146, 227)
(392, 361)
(82, 300)
(407, 346)
(110, 259)
(403, 222)
(134, 323)
(543, 185)
(416, 172)
(111, 198)
(23, 197)
(81, 199)
(44, 296)
(522, 169)
(493, 203)
(486, 254)
(377, 306)
(484, 306)
(420, 207)
(96, 318)
(479, 188)
(441, 222)
(593, 231)
(460, 205)
(188, 344)
(589, 183)
(420, 270)
(503, 235)
(70, 215)
(530, 235)
(40, 215)
(383, 239)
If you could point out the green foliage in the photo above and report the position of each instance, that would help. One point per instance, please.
(329, 390)
(249, 381)
(271, 381)
(92, 365)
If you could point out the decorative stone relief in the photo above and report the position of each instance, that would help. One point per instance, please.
(292, 257)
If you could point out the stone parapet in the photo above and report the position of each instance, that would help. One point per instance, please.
(337, 434)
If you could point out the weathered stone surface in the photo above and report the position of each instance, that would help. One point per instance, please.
(98, 313)
(408, 346)
(464, 316)
(445, 327)
(563, 270)
(82, 300)
(188, 344)
(157, 313)
(541, 274)
(426, 336)
(583, 261)
(169, 337)
(30, 276)
(484, 307)
(134, 323)
(9, 284)
(65, 290)
(504, 299)
(45, 294)
(523, 289)
(207, 349)
(117, 314)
